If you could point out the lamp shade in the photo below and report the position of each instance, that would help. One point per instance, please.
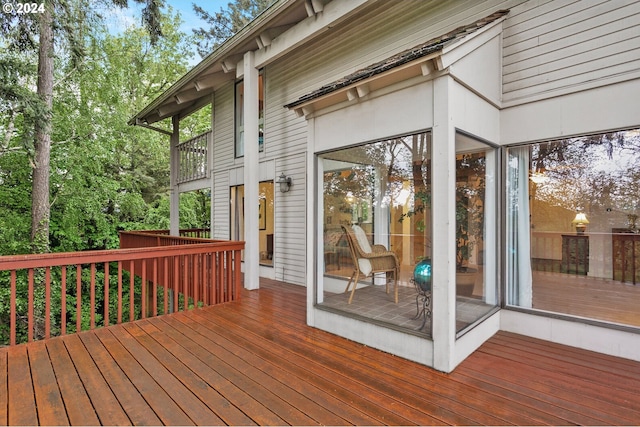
(580, 218)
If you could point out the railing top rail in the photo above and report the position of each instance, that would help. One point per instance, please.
(18, 262)
(169, 237)
(206, 133)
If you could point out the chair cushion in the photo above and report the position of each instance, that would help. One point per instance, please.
(362, 239)
(365, 266)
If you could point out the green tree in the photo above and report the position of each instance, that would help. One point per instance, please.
(68, 22)
(226, 22)
(105, 175)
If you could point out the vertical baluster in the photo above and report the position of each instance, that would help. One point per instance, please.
(196, 276)
(105, 322)
(166, 284)
(206, 261)
(238, 281)
(63, 300)
(143, 290)
(176, 281)
(132, 290)
(155, 288)
(13, 307)
(92, 296)
(230, 277)
(220, 277)
(78, 298)
(47, 303)
(186, 282)
(30, 309)
(119, 319)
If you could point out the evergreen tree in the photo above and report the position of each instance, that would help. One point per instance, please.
(57, 31)
(226, 22)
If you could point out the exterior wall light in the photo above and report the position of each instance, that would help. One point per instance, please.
(285, 183)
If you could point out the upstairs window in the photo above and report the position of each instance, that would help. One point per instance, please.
(239, 116)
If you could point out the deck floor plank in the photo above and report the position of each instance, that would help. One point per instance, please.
(189, 403)
(349, 374)
(552, 391)
(167, 410)
(21, 399)
(302, 374)
(225, 411)
(586, 386)
(250, 366)
(268, 363)
(105, 403)
(188, 352)
(51, 407)
(278, 404)
(446, 402)
(255, 361)
(130, 399)
(77, 402)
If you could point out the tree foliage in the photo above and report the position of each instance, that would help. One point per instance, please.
(226, 22)
(105, 176)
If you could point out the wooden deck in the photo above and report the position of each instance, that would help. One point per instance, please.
(256, 362)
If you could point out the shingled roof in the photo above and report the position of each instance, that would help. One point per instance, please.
(401, 58)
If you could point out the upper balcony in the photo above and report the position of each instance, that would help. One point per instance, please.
(193, 158)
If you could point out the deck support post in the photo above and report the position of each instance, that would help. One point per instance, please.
(174, 203)
(444, 220)
(251, 177)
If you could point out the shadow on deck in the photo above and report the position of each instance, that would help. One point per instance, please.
(255, 361)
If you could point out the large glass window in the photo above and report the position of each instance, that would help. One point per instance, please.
(573, 245)
(476, 230)
(239, 116)
(376, 197)
(265, 219)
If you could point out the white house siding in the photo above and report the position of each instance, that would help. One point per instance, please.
(220, 210)
(561, 46)
(223, 131)
(290, 214)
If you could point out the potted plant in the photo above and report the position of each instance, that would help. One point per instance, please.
(469, 218)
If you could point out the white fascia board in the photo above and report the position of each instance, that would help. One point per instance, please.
(457, 50)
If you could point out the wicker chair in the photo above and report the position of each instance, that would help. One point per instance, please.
(368, 260)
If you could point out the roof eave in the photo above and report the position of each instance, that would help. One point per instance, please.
(218, 55)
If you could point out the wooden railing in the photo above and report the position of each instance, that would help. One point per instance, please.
(193, 159)
(61, 293)
(200, 233)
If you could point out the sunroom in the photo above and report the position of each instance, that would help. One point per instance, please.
(406, 165)
(425, 225)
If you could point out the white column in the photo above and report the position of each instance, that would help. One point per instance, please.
(444, 222)
(251, 169)
(174, 158)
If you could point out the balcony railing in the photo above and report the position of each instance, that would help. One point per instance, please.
(193, 158)
(61, 293)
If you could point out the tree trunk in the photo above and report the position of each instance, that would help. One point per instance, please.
(40, 208)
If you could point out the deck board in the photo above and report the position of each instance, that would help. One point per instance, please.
(256, 362)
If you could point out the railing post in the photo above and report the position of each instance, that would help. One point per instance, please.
(12, 334)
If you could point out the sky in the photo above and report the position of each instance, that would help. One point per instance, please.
(119, 19)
